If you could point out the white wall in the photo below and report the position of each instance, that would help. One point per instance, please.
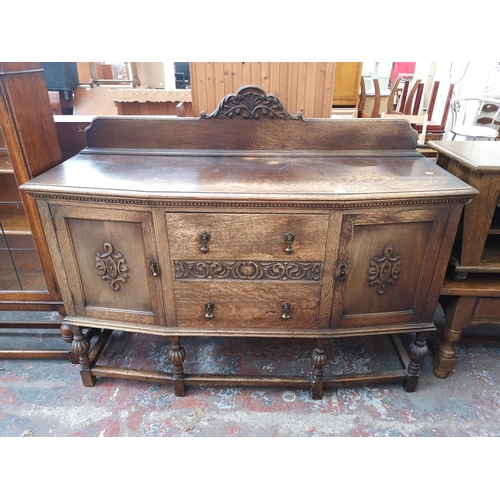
(151, 74)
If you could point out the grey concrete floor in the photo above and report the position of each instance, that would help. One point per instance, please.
(46, 398)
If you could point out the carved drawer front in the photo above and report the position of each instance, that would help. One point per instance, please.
(386, 265)
(111, 264)
(247, 305)
(247, 236)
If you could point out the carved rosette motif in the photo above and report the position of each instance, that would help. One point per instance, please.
(384, 270)
(248, 270)
(251, 102)
(111, 266)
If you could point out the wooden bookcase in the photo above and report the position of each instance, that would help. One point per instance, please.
(29, 146)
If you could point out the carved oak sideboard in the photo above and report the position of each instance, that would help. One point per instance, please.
(249, 222)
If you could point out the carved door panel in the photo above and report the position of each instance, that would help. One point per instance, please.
(111, 263)
(385, 266)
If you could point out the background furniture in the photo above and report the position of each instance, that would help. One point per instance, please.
(436, 124)
(346, 82)
(229, 225)
(393, 98)
(477, 245)
(375, 111)
(28, 147)
(61, 79)
(470, 118)
(152, 101)
(477, 248)
(474, 301)
(305, 87)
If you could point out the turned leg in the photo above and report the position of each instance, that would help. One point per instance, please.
(319, 359)
(67, 336)
(458, 311)
(80, 347)
(176, 355)
(417, 351)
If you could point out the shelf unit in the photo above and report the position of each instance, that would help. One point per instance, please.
(477, 246)
(29, 146)
(20, 267)
(471, 294)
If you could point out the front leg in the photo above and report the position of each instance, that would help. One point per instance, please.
(417, 350)
(80, 347)
(318, 359)
(67, 336)
(176, 355)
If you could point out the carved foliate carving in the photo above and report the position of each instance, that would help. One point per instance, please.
(247, 270)
(384, 270)
(251, 102)
(111, 266)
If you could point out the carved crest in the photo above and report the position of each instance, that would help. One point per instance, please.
(251, 102)
(111, 266)
(384, 270)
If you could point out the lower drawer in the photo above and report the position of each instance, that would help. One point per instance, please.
(247, 305)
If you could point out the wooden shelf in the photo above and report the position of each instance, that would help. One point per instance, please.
(495, 223)
(15, 223)
(478, 285)
(490, 260)
(491, 253)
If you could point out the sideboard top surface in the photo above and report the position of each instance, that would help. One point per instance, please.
(248, 177)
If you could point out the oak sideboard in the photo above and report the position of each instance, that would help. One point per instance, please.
(249, 222)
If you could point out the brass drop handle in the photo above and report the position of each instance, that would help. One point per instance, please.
(289, 239)
(153, 268)
(342, 275)
(286, 310)
(209, 306)
(204, 238)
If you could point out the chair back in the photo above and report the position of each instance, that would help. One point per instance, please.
(375, 112)
(475, 118)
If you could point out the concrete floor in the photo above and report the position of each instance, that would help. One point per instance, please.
(45, 398)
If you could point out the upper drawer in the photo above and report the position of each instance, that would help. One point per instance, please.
(247, 236)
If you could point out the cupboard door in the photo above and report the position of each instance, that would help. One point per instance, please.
(386, 265)
(111, 263)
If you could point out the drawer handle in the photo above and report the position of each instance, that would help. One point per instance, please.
(286, 310)
(204, 238)
(209, 306)
(289, 239)
(153, 268)
(342, 275)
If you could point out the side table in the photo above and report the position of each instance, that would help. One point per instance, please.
(471, 295)
(477, 245)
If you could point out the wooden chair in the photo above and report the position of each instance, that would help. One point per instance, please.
(390, 109)
(375, 112)
(409, 101)
(436, 125)
(408, 106)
